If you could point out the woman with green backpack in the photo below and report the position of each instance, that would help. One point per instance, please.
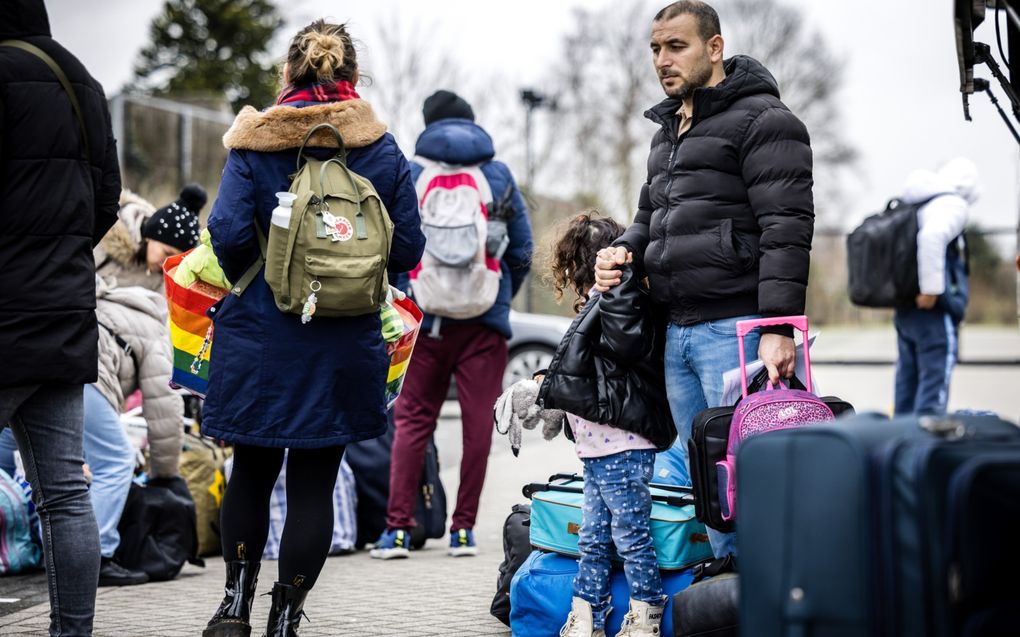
(299, 360)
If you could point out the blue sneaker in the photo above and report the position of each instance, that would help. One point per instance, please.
(462, 543)
(394, 543)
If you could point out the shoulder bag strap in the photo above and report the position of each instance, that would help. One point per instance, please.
(253, 270)
(61, 77)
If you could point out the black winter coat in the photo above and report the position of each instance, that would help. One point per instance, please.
(609, 366)
(725, 219)
(55, 205)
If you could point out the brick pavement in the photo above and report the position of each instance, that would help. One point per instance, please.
(427, 594)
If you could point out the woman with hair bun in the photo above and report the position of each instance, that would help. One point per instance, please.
(274, 382)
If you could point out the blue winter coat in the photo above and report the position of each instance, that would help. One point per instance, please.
(461, 141)
(274, 382)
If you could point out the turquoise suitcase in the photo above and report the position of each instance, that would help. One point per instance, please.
(680, 540)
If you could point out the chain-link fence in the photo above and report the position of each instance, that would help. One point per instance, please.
(164, 144)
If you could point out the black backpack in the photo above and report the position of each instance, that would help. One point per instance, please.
(430, 509)
(882, 257)
(516, 549)
(370, 462)
(158, 532)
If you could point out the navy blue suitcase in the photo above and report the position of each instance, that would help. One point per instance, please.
(871, 527)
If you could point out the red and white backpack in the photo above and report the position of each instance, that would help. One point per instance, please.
(456, 278)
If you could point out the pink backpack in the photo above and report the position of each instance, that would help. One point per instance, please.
(769, 410)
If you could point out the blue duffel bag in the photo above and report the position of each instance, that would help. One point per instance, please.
(680, 540)
(542, 589)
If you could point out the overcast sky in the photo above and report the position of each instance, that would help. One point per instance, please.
(901, 100)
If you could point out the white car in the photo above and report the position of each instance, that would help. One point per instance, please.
(535, 339)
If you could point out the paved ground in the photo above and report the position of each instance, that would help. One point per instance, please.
(432, 594)
(428, 594)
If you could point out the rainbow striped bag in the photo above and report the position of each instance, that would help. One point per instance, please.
(191, 334)
(190, 329)
(400, 351)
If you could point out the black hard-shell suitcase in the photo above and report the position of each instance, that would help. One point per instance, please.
(710, 435)
(856, 528)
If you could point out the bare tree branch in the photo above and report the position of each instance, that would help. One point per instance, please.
(410, 67)
(606, 80)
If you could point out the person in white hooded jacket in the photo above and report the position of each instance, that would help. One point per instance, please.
(927, 333)
(134, 353)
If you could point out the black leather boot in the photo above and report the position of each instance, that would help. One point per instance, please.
(232, 618)
(284, 617)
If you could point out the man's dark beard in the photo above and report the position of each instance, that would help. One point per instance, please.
(699, 78)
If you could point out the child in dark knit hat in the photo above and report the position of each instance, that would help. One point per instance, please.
(174, 228)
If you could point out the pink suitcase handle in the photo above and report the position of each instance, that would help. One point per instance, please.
(798, 322)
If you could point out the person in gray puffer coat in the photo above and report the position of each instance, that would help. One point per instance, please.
(134, 353)
(139, 318)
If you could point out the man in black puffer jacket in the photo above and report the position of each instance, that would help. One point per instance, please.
(59, 189)
(724, 223)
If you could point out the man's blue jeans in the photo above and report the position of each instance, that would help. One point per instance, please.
(47, 423)
(111, 458)
(696, 358)
(617, 510)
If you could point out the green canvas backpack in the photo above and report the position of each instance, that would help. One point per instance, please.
(330, 259)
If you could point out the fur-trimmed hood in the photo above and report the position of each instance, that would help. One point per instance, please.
(116, 255)
(123, 240)
(283, 127)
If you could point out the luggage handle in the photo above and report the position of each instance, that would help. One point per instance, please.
(798, 322)
(665, 487)
(565, 476)
(536, 487)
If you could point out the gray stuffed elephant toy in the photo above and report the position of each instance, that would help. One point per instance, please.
(516, 409)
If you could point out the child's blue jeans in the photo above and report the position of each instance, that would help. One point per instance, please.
(617, 510)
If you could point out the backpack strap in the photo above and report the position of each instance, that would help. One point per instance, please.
(253, 270)
(359, 218)
(124, 345)
(61, 77)
(341, 154)
(896, 202)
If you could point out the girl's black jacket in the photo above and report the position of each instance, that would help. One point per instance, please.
(609, 366)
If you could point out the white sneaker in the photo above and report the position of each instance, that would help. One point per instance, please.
(580, 621)
(642, 620)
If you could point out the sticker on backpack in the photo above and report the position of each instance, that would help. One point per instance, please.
(339, 228)
(455, 278)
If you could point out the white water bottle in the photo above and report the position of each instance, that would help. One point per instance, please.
(281, 213)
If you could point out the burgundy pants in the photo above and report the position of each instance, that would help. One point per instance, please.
(476, 356)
